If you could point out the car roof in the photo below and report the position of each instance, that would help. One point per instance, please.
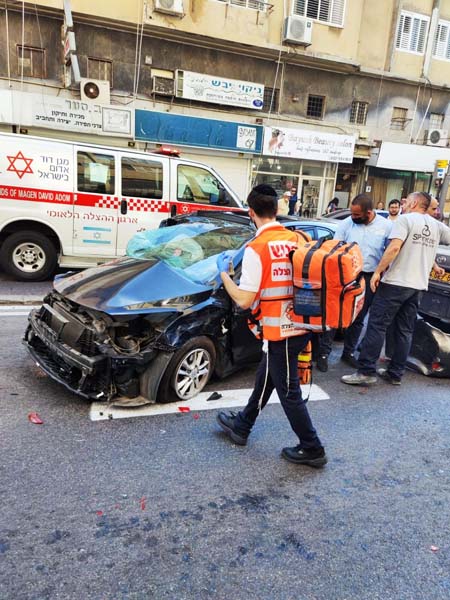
(242, 217)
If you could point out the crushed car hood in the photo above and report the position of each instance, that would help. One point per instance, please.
(127, 285)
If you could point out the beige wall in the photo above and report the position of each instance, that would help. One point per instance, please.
(364, 39)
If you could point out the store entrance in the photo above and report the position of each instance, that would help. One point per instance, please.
(310, 190)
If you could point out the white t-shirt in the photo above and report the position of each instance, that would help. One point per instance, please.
(421, 234)
(251, 265)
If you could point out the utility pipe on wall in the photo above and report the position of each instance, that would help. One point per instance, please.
(431, 37)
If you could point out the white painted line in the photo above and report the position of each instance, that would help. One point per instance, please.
(15, 310)
(230, 399)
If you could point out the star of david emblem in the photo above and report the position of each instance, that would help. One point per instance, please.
(23, 162)
(97, 236)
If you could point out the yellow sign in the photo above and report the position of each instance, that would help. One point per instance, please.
(441, 164)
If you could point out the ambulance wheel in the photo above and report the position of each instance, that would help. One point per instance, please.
(28, 256)
(189, 371)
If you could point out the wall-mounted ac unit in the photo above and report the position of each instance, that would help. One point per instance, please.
(436, 137)
(297, 30)
(170, 7)
(163, 86)
(95, 90)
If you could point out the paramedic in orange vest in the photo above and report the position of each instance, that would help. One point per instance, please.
(266, 287)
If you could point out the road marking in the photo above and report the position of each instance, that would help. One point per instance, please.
(15, 310)
(101, 411)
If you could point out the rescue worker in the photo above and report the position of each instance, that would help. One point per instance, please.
(266, 286)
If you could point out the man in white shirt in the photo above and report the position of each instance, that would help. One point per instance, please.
(403, 272)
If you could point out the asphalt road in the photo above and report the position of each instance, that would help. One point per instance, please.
(165, 507)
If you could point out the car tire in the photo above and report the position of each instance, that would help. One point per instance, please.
(28, 256)
(189, 371)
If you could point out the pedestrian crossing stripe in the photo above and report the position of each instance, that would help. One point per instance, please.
(101, 411)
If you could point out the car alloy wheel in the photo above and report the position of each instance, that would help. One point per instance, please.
(192, 373)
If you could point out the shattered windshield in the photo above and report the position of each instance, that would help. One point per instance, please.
(190, 248)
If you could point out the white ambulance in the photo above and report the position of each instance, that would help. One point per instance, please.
(77, 205)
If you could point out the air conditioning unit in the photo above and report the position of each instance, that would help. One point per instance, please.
(95, 90)
(170, 7)
(436, 137)
(297, 30)
(163, 86)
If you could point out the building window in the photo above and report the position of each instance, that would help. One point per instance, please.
(436, 120)
(271, 99)
(315, 107)
(31, 61)
(441, 47)
(254, 4)
(327, 11)
(412, 32)
(399, 118)
(358, 112)
(98, 68)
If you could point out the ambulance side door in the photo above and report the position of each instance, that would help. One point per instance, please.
(96, 203)
(143, 193)
(195, 187)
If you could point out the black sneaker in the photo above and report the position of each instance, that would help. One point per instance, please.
(226, 421)
(322, 363)
(301, 456)
(350, 359)
(386, 376)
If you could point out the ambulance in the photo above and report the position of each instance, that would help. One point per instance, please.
(77, 205)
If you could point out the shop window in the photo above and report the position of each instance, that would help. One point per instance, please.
(195, 184)
(358, 112)
(31, 62)
(98, 68)
(436, 120)
(142, 178)
(96, 173)
(399, 118)
(315, 107)
(271, 99)
(328, 11)
(441, 47)
(412, 32)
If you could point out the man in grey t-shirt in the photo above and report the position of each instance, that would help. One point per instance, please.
(406, 265)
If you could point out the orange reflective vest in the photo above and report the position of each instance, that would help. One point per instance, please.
(273, 302)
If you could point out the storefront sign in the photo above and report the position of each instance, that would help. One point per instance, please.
(246, 138)
(312, 145)
(51, 112)
(230, 92)
(198, 132)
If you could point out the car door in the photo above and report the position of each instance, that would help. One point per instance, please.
(195, 187)
(143, 192)
(96, 202)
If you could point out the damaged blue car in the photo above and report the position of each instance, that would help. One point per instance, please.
(157, 324)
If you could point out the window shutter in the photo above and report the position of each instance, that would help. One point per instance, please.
(337, 12)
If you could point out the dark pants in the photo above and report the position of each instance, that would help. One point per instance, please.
(352, 333)
(278, 370)
(393, 306)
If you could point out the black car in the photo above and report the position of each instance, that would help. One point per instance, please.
(430, 350)
(154, 325)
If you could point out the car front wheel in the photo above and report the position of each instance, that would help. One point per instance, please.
(189, 371)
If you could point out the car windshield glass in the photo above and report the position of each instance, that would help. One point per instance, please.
(190, 248)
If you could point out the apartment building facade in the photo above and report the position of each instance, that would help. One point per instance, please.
(332, 97)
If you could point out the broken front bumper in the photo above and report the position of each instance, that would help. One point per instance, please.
(88, 376)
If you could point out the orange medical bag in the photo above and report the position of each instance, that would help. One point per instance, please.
(328, 284)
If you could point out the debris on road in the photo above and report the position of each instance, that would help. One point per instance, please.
(33, 417)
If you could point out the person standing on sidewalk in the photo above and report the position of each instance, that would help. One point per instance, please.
(371, 232)
(410, 256)
(394, 210)
(269, 294)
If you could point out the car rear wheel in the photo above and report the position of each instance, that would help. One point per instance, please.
(28, 256)
(189, 371)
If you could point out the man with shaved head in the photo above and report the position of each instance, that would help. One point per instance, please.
(398, 279)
